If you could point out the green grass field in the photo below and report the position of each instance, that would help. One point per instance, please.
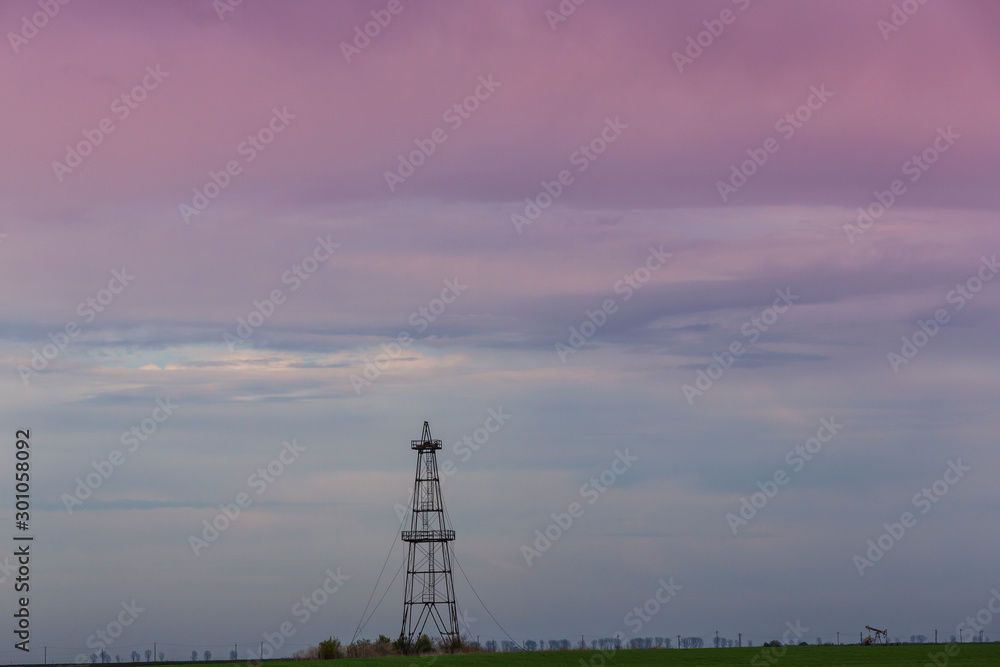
(911, 655)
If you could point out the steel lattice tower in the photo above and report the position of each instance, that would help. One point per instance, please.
(430, 588)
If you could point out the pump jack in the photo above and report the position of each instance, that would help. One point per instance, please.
(881, 636)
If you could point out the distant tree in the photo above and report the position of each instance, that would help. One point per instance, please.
(233, 655)
(161, 656)
(93, 658)
(135, 656)
(358, 649)
(491, 645)
(531, 645)
(329, 648)
(194, 655)
(208, 655)
(424, 644)
(118, 657)
(819, 642)
(149, 654)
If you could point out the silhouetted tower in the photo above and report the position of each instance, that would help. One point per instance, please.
(430, 588)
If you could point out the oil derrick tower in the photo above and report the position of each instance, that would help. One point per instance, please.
(430, 588)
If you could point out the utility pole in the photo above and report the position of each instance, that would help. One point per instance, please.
(262, 650)
(678, 641)
(716, 639)
(154, 651)
(935, 635)
(838, 637)
(741, 640)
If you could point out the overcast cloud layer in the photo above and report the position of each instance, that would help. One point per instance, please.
(624, 246)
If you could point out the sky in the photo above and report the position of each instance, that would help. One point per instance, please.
(698, 297)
